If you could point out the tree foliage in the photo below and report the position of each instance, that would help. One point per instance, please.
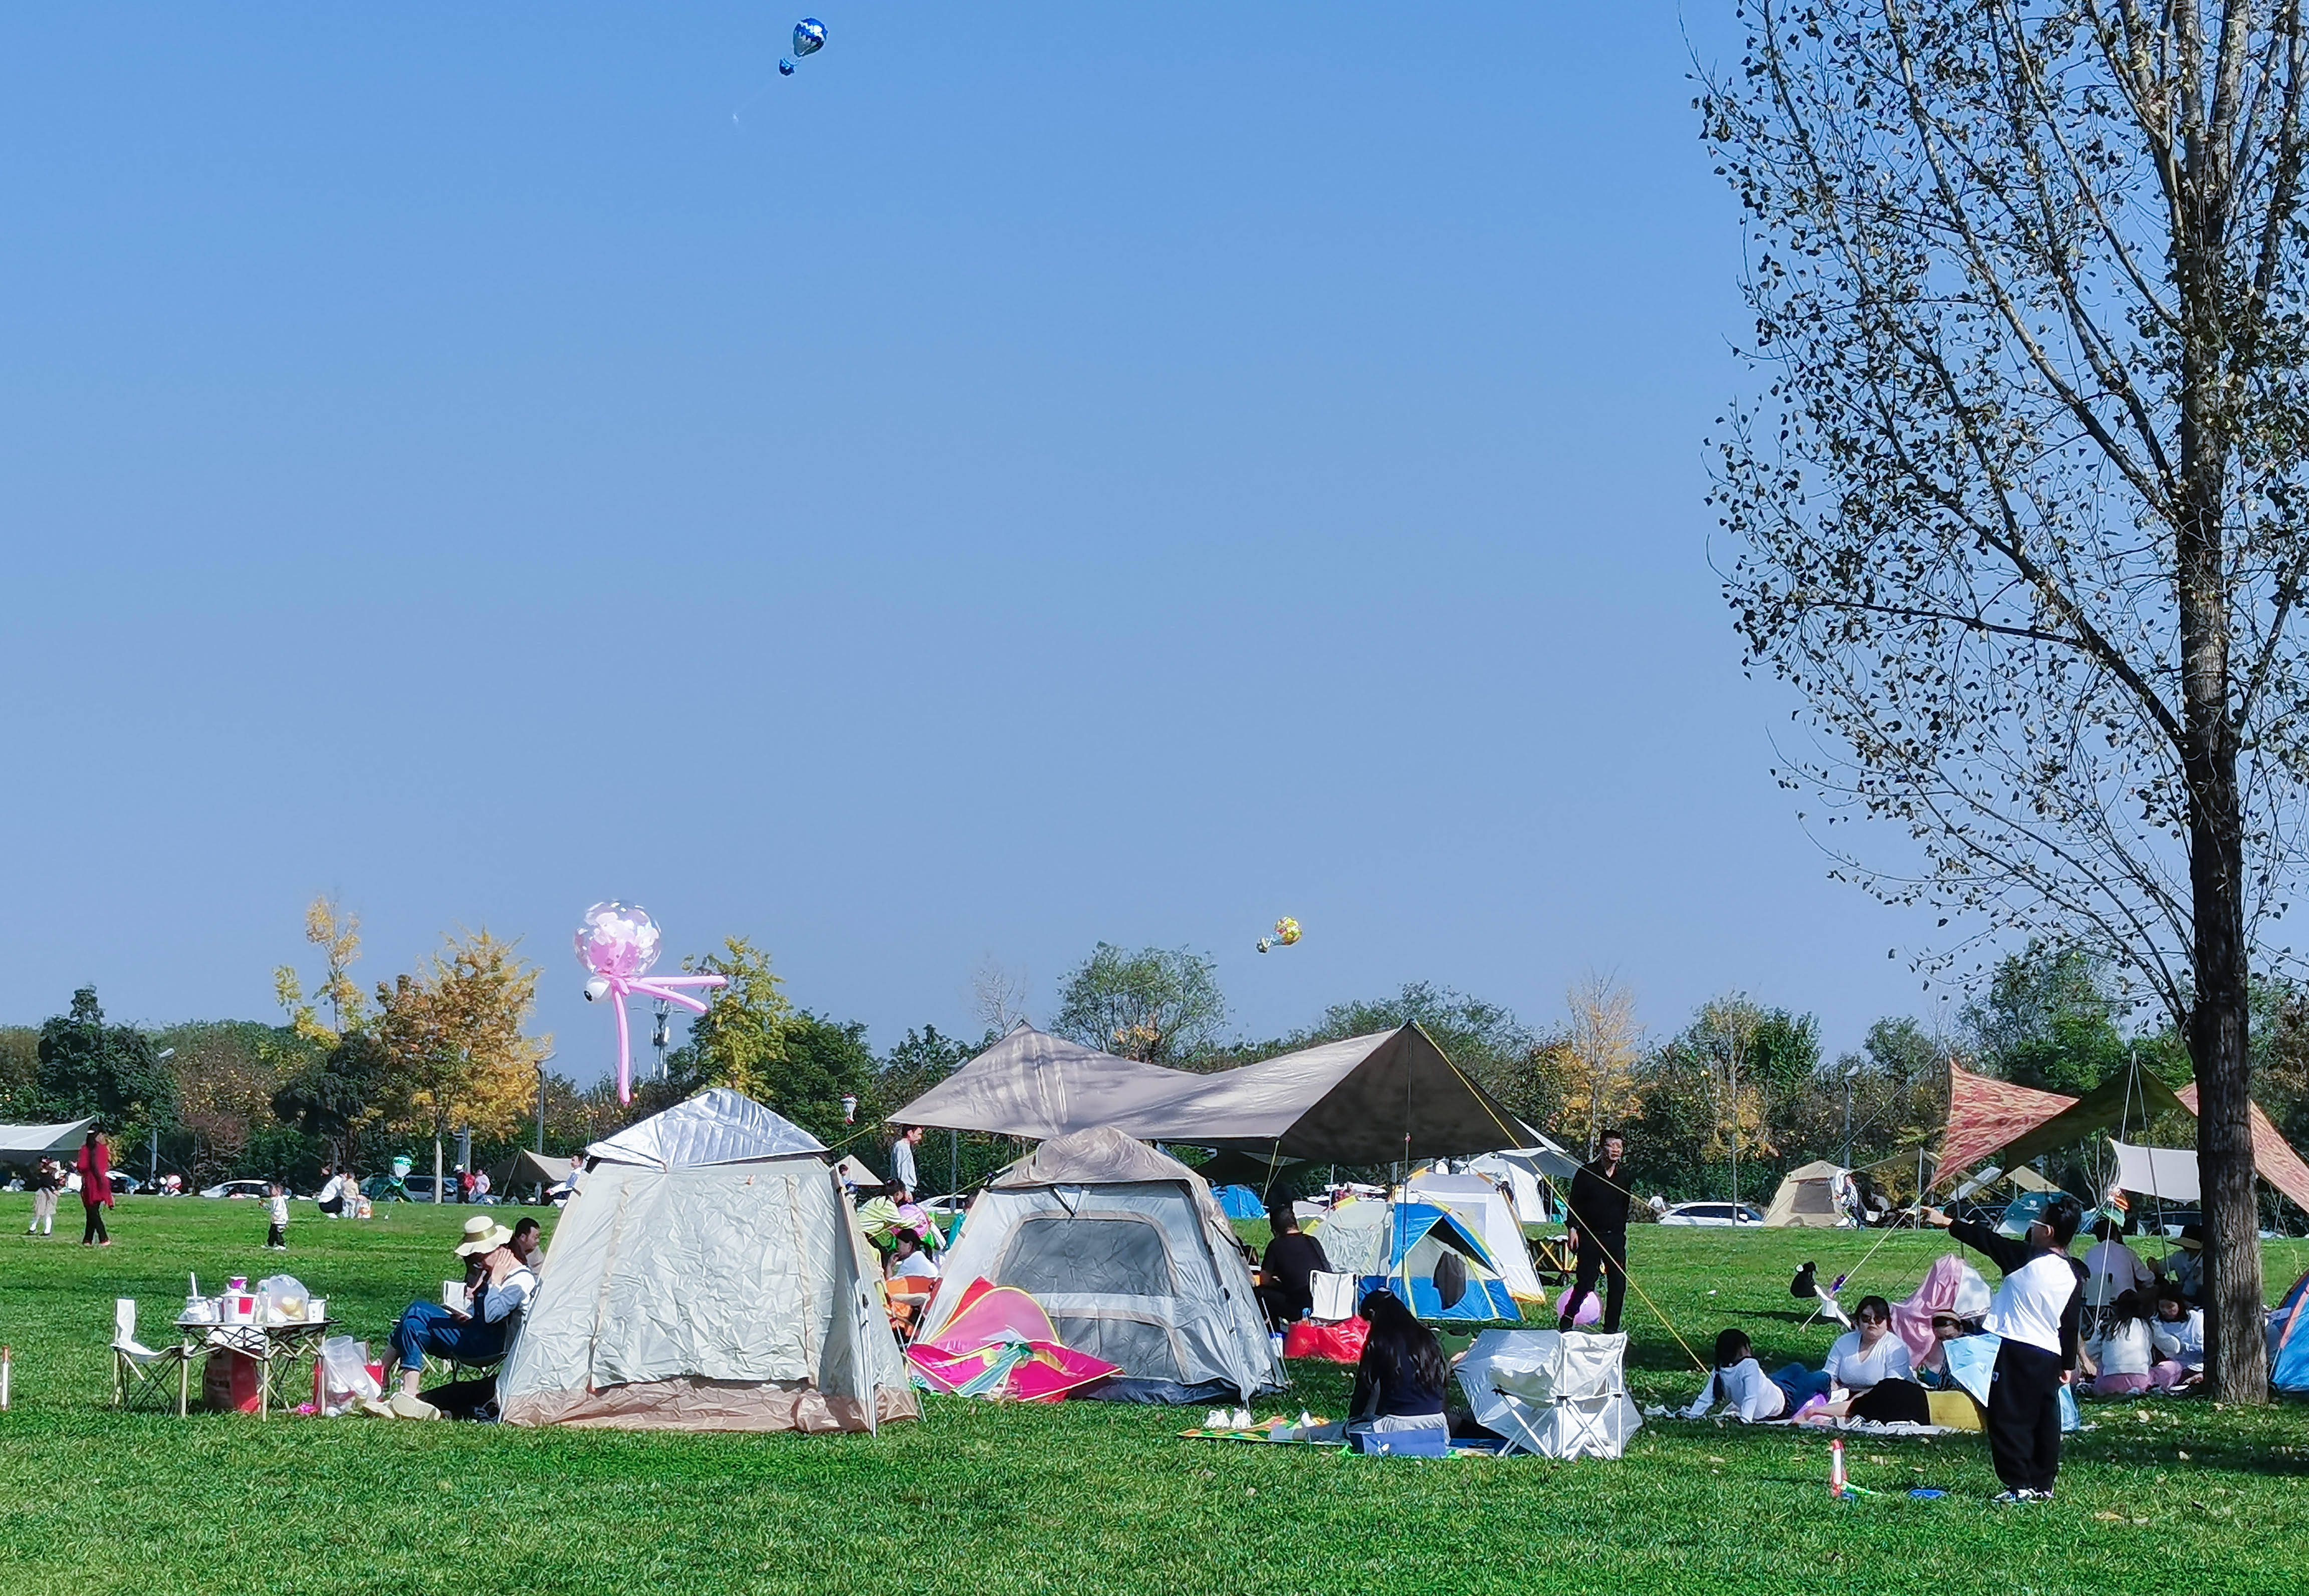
(457, 1050)
(336, 932)
(1160, 1005)
(2020, 513)
(1591, 1064)
(743, 1038)
(89, 1066)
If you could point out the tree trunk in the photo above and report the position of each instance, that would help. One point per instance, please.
(2237, 1355)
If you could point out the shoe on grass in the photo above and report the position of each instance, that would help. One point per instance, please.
(375, 1408)
(405, 1406)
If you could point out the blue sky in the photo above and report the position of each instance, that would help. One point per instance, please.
(1059, 473)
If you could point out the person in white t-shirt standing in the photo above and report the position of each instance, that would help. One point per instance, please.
(276, 1209)
(2037, 1314)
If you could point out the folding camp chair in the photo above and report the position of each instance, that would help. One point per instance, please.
(140, 1374)
(905, 1304)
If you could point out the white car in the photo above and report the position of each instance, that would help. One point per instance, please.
(1721, 1216)
(240, 1188)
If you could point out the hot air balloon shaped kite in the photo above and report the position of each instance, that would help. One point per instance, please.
(1284, 934)
(617, 942)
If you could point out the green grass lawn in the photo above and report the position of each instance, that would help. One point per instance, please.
(2165, 1496)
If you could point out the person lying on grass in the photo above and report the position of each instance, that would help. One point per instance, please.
(1742, 1387)
(1400, 1379)
(2178, 1335)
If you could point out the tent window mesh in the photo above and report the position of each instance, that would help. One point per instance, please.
(1112, 1255)
(1143, 1351)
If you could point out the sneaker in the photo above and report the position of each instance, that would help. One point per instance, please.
(2035, 1495)
(405, 1406)
(2008, 1498)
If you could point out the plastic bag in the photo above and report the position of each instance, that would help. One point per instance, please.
(284, 1297)
(345, 1377)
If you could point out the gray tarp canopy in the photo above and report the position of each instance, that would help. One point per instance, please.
(1039, 1086)
(530, 1168)
(1367, 1099)
(716, 1126)
(29, 1143)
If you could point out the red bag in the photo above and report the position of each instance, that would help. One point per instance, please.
(228, 1383)
(1342, 1343)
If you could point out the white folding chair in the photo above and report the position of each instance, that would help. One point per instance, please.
(1334, 1297)
(139, 1374)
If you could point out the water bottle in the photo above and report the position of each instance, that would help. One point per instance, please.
(1836, 1468)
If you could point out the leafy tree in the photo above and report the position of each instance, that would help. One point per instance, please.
(87, 1066)
(741, 1041)
(1591, 1064)
(19, 1070)
(1160, 1005)
(824, 1059)
(337, 1095)
(336, 932)
(2021, 512)
(2048, 1020)
(456, 1053)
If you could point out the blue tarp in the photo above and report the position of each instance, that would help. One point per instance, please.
(1240, 1202)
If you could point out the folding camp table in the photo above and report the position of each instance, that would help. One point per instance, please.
(278, 1351)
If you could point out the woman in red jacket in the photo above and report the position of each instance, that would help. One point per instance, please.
(95, 1165)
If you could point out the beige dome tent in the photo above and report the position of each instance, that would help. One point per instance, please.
(1812, 1195)
(708, 1275)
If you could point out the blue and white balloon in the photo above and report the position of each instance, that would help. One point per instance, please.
(809, 37)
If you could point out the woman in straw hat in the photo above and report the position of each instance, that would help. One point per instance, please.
(459, 1330)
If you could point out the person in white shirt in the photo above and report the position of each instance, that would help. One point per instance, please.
(902, 1164)
(2177, 1333)
(1870, 1365)
(909, 1261)
(2036, 1313)
(2111, 1267)
(276, 1209)
(1741, 1385)
(331, 1197)
(2123, 1356)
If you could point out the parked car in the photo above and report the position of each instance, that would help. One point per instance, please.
(379, 1188)
(1711, 1215)
(124, 1183)
(238, 1188)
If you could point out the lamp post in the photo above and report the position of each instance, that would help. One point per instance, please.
(1849, 1072)
(152, 1162)
(541, 1103)
(662, 1033)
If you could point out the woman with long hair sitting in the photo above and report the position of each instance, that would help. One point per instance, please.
(1400, 1381)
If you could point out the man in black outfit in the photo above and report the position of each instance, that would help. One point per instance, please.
(1285, 1290)
(1599, 1230)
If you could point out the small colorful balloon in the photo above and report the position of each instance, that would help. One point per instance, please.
(1285, 934)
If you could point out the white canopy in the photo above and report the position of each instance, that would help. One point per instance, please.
(716, 1126)
(23, 1144)
(2160, 1171)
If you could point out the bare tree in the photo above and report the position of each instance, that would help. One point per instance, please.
(997, 995)
(2021, 512)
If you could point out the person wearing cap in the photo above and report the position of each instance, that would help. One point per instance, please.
(498, 1281)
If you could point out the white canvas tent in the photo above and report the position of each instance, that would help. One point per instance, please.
(1521, 1169)
(1483, 1208)
(1130, 1255)
(1813, 1195)
(708, 1275)
(29, 1143)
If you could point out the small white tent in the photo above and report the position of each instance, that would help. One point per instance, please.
(1130, 1255)
(708, 1275)
(1483, 1208)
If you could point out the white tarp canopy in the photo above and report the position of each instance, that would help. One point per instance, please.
(29, 1143)
(1130, 1255)
(1038, 1086)
(1483, 1208)
(2167, 1172)
(702, 1280)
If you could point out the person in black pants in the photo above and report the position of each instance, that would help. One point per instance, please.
(1285, 1290)
(2037, 1313)
(1599, 1230)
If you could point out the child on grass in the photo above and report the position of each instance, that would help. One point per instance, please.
(276, 1207)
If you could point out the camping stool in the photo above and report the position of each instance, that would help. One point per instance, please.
(906, 1308)
(139, 1374)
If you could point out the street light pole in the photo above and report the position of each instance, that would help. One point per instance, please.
(153, 1164)
(541, 1103)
